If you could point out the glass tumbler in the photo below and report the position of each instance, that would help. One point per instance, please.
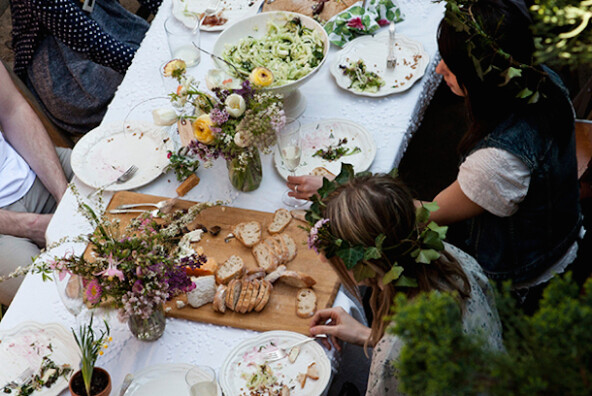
(181, 40)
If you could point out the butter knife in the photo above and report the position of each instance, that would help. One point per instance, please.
(126, 383)
(391, 59)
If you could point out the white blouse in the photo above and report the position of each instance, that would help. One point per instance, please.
(16, 175)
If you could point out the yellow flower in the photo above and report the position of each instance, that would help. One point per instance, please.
(202, 129)
(261, 76)
(101, 353)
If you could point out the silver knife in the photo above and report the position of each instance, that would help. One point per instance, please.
(126, 383)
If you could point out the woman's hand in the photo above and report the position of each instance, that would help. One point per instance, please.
(304, 187)
(338, 324)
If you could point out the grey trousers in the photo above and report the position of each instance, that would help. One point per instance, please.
(16, 252)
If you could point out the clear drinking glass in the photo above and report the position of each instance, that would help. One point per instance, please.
(201, 381)
(181, 39)
(290, 148)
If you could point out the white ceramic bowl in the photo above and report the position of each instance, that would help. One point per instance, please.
(256, 26)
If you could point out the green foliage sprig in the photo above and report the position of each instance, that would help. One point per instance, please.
(422, 245)
(182, 163)
(548, 353)
(91, 346)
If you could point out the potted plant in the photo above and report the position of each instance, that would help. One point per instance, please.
(91, 380)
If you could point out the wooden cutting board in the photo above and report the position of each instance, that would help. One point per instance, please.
(280, 312)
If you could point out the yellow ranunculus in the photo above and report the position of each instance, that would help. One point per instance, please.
(261, 76)
(202, 129)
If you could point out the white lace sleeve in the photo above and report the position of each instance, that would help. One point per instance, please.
(494, 179)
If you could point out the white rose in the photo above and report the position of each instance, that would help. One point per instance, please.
(240, 140)
(235, 105)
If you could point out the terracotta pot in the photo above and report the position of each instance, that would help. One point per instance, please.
(99, 374)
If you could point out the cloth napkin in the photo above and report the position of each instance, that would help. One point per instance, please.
(357, 21)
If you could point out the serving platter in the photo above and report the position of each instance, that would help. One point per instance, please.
(245, 358)
(107, 151)
(322, 134)
(233, 10)
(25, 346)
(280, 311)
(412, 61)
(161, 379)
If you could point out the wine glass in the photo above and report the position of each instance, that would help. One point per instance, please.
(201, 381)
(290, 148)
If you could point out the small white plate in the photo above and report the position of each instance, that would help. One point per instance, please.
(107, 151)
(412, 61)
(320, 135)
(25, 345)
(244, 359)
(233, 10)
(162, 379)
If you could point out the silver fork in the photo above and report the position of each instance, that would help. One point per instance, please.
(391, 59)
(128, 174)
(281, 353)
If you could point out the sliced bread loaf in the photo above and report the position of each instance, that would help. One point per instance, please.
(219, 303)
(265, 298)
(233, 293)
(248, 233)
(306, 303)
(281, 219)
(232, 268)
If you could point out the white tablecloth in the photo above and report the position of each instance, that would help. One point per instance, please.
(391, 120)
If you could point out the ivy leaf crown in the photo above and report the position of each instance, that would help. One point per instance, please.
(422, 246)
(489, 58)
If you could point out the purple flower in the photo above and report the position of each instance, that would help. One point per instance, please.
(138, 287)
(219, 116)
(313, 235)
(356, 23)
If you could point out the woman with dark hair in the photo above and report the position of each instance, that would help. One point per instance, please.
(357, 214)
(517, 188)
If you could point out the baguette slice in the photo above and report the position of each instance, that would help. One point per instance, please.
(313, 371)
(297, 279)
(281, 219)
(306, 303)
(275, 247)
(275, 274)
(248, 233)
(320, 171)
(232, 268)
(256, 289)
(253, 288)
(265, 299)
(243, 299)
(264, 257)
(219, 303)
(233, 294)
(254, 274)
(291, 245)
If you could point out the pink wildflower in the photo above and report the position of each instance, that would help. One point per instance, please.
(313, 235)
(170, 154)
(111, 270)
(383, 22)
(93, 291)
(356, 23)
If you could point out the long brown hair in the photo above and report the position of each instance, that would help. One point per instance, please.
(368, 206)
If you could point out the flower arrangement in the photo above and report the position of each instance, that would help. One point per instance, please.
(134, 268)
(231, 123)
(91, 346)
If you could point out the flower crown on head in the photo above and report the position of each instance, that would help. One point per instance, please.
(422, 245)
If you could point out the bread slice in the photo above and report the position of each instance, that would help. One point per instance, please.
(264, 257)
(281, 219)
(257, 273)
(233, 293)
(313, 371)
(219, 303)
(248, 233)
(232, 268)
(299, 214)
(261, 294)
(253, 288)
(204, 291)
(306, 303)
(243, 299)
(275, 274)
(256, 289)
(297, 279)
(291, 245)
(301, 378)
(265, 298)
(275, 247)
(320, 171)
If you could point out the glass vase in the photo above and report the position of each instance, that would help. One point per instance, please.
(149, 329)
(246, 178)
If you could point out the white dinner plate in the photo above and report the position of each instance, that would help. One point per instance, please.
(412, 61)
(232, 10)
(107, 151)
(25, 345)
(320, 135)
(160, 380)
(244, 359)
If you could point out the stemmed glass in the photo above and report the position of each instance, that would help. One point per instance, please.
(290, 148)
